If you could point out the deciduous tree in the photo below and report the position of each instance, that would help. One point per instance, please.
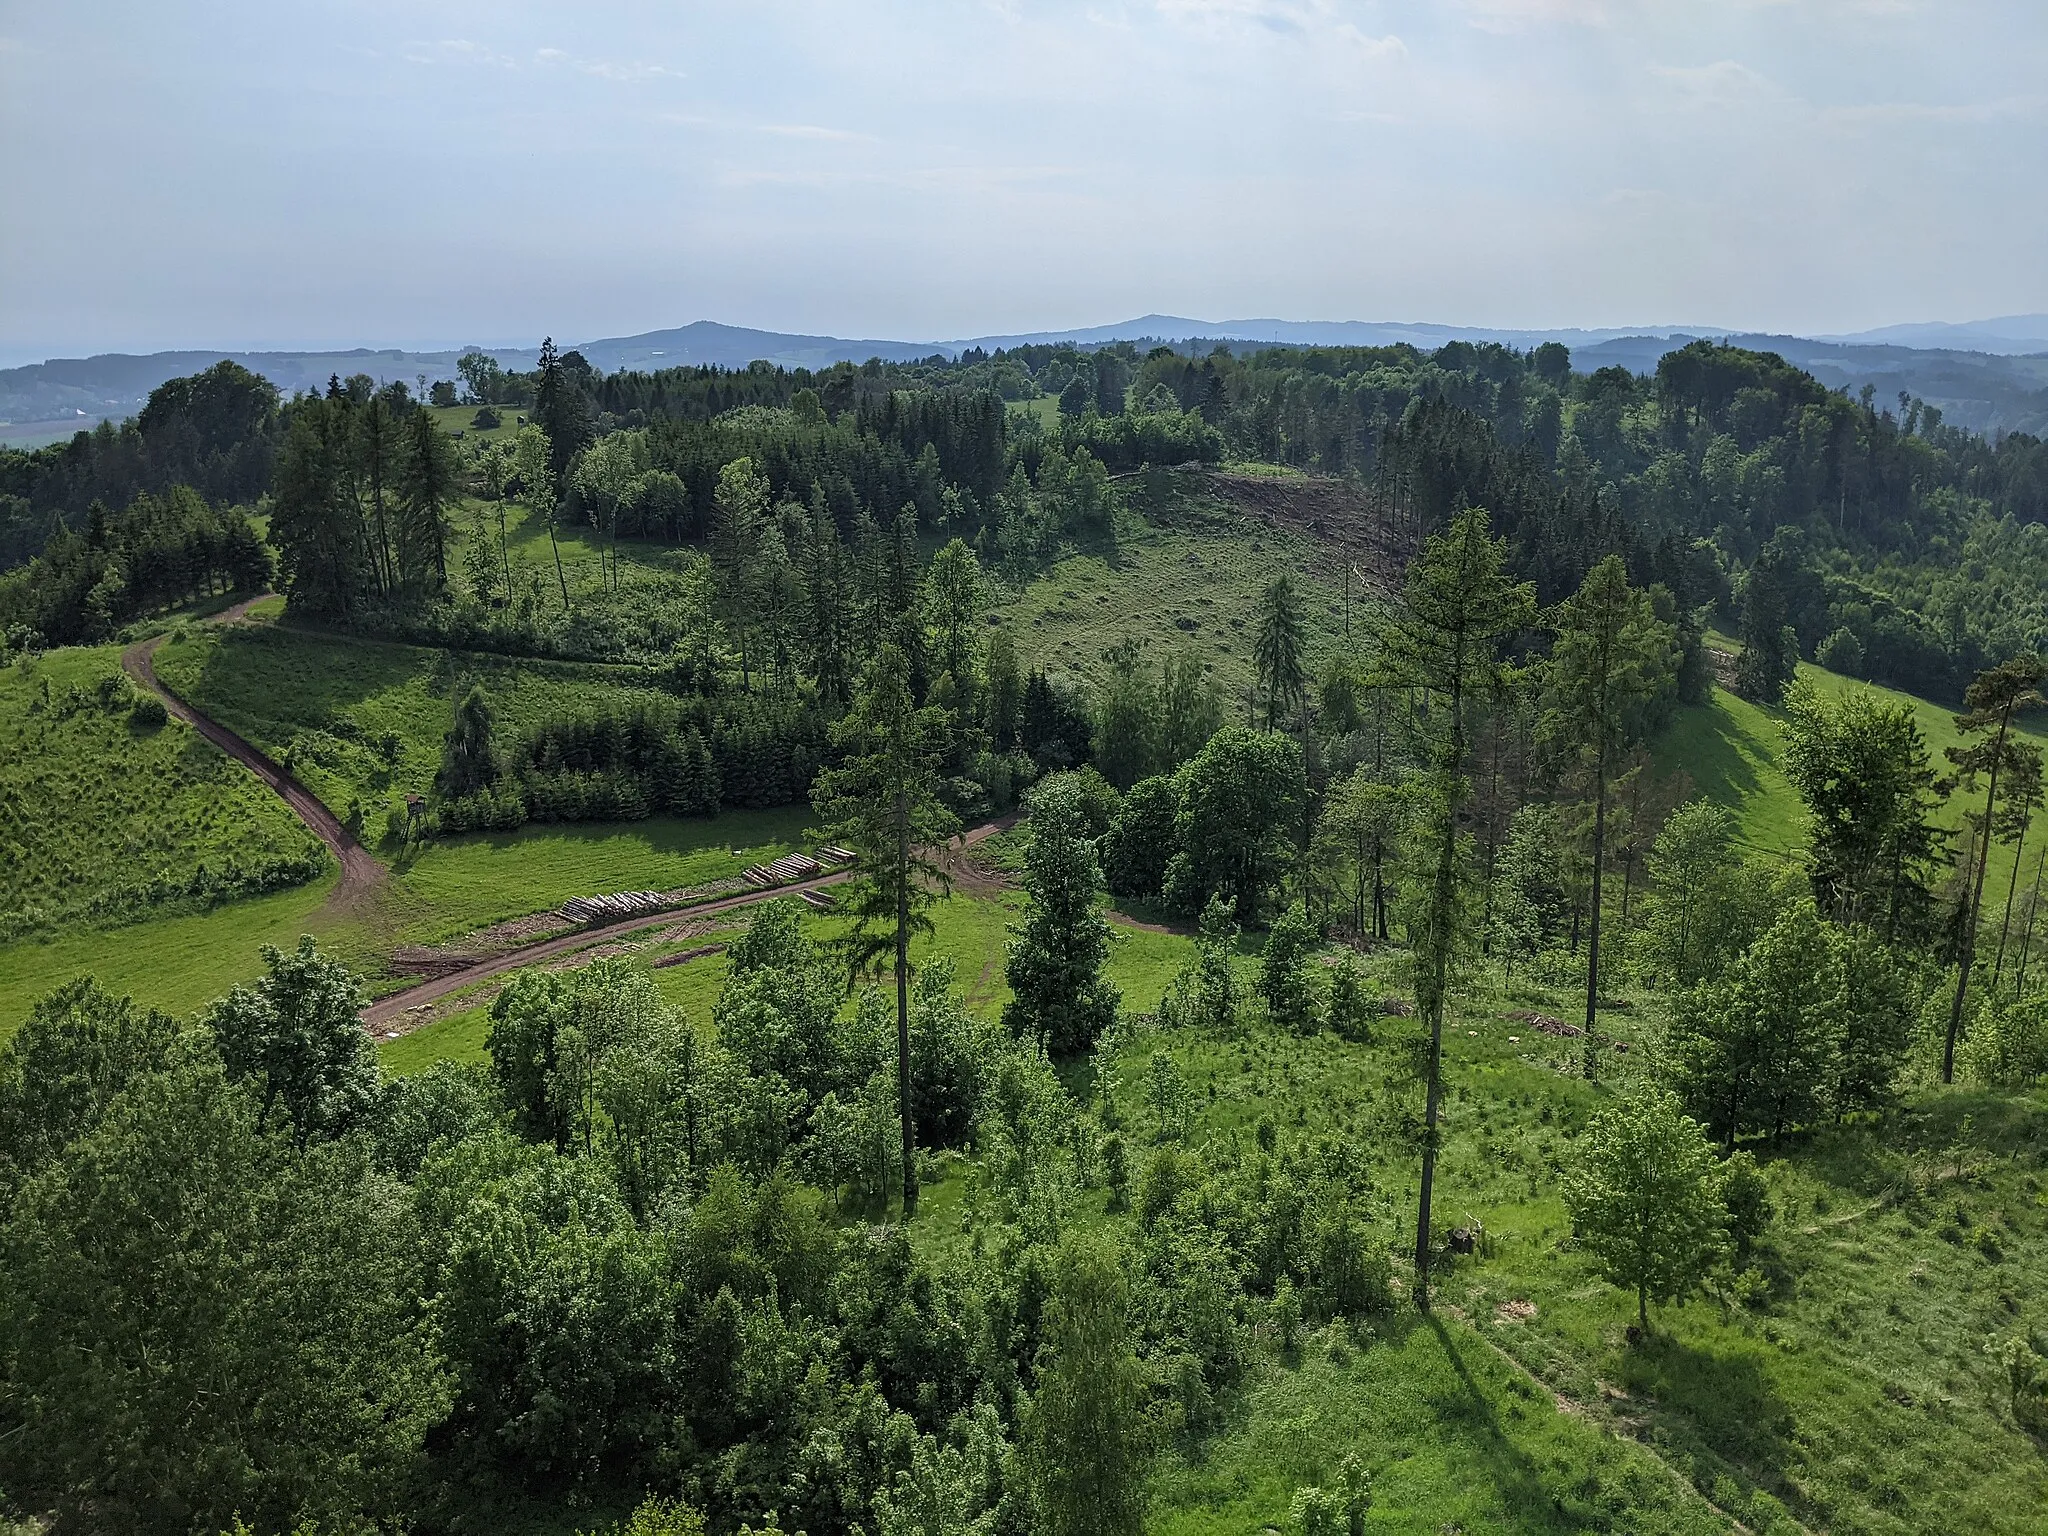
(1645, 1199)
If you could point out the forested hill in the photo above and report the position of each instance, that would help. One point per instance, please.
(1733, 477)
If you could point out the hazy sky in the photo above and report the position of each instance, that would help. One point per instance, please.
(299, 172)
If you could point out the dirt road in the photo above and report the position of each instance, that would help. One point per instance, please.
(360, 873)
(388, 1009)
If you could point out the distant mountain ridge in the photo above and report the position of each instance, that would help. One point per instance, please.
(1990, 375)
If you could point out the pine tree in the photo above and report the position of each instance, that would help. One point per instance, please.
(1278, 651)
(1993, 699)
(737, 532)
(469, 762)
(2022, 797)
(882, 802)
(1612, 654)
(427, 486)
(1445, 634)
(825, 585)
(1005, 691)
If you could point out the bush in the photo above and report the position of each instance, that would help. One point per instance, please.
(1841, 652)
(148, 712)
(2008, 1048)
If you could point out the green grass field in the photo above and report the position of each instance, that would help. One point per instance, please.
(457, 420)
(177, 962)
(94, 807)
(1856, 1394)
(1730, 749)
(361, 720)
(1169, 589)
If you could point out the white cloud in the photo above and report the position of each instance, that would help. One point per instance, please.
(815, 131)
(1723, 84)
(1936, 112)
(1520, 15)
(457, 50)
(605, 69)
(1307, 20)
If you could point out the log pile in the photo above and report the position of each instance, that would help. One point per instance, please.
(790, 867)
(613, 908)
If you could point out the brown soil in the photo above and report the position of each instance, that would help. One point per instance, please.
(1331, 511)
(1544, 1023)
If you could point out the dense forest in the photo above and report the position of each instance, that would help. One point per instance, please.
(626, 1253)
(1730, 477)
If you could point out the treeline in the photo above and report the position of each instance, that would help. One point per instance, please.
(216, 431)
(156, 551)
(693, 758)
(1906, 527)
(359, 504)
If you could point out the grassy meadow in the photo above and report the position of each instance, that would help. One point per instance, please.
(459, 421)
(95, 805)
(362, 720)
(1169, 588)
(1731, 751)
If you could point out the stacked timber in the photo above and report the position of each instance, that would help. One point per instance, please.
(788, 868)
(613, 908)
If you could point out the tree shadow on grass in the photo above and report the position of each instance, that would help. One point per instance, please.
(1514, 1473)
(1716, 1400)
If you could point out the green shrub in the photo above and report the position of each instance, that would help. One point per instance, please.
(1841, 652)
(148, 712)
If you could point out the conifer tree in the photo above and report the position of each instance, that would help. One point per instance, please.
(1054, 960)
(1278, 650)
(882, 802)
(737, 535)
(1612, 654)
(1005, 691)
(825, 585)
(1993, 699)
(1445, 634)
(427, 487)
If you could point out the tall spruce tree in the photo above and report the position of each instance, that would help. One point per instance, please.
(1279, 649)
(1612, 655)
(1456, 610)
(738, 533)
(426, 486)
(882, 803)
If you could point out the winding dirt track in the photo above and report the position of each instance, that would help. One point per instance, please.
(360, 873)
